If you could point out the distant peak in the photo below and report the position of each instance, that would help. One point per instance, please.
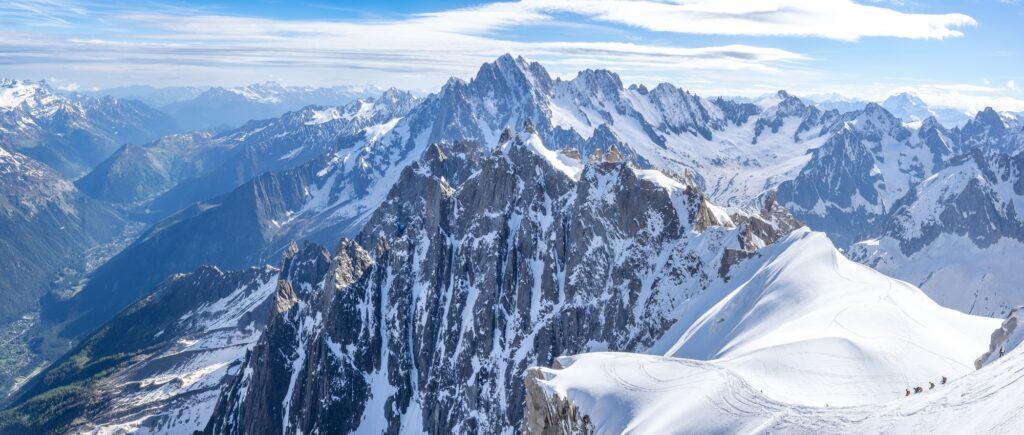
(930, 123)
(452, 83)
(506, 58)
(783, 94)
(904, 98)
(601, 78)
(874, 108)
(512, 70)
(14, 83)
(990, 117)
(988, 113)
(507, 61)
(639, 88)
(394, 93)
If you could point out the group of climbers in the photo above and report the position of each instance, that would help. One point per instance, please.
(931, 385)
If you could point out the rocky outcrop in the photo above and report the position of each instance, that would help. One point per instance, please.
(548, 413)
(1004, 339)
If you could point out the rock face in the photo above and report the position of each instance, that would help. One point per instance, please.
(465, 276)
(1004, 339)
(72, 133)
(551, 414)
(159, 366)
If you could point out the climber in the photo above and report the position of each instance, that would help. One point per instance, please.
(931, 385)
(943, 380)
(908, 393)
(918, 390)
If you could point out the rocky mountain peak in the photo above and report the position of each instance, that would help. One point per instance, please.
(514, 73)
(987, 128)
(990, 118)
(598, 81)
(639, 88)
(875, 122)
(395, 95)
(931, 123)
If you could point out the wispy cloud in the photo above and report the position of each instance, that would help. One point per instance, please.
(101, 43)
(437, 43)
(834, 19)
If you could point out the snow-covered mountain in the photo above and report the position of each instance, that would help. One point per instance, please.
(219, 107)
(513, 218)
(72, 133)
(169, 174)
(934, 206)
(335, 194)
(799, 331)
(958, 234)
(833, 101)
(853, 179)
(539, 238)
(909, 107)
(736, 150)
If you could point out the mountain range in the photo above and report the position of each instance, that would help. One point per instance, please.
(218, 108)
(906, 106)
(72, 133)
(515, 219)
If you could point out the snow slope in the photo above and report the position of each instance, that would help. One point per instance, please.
(651, 394)
(954, 271)
(800, 326)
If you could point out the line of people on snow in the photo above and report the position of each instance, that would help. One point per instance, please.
(931, 385)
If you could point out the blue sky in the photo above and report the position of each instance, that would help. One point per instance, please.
(956, 53)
